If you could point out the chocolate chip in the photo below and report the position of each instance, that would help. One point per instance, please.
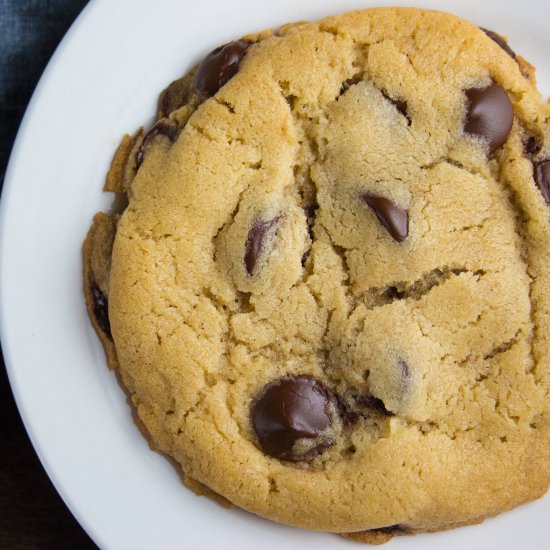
(489, 115)
(219, 66)
(291, 409)
(161, 128)
(175, 96)
(255, 242)
(391, 216)
(542, 178)
(101, 313)
(500, 41)
(532, 145)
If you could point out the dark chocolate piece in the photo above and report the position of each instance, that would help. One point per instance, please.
(489, 115)
(219, 66)
(391, 216)
(500, 41)
(163, 127)
(176, 95)
(255, 242)
(290, 409)
(542, 178)
(101, 310)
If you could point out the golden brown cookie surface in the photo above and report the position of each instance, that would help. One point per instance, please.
(327, 293)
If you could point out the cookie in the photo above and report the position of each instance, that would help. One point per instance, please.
(327, 293)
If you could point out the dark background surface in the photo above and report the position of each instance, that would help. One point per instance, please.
(32, 515)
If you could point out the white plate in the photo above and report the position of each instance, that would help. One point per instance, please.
(104, 80)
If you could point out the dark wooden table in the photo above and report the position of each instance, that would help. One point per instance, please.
(32, 515)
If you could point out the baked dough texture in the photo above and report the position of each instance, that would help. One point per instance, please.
(328, 293)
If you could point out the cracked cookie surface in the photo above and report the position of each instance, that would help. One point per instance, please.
(327, 292)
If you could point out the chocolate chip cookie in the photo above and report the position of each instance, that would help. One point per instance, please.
(327, 291)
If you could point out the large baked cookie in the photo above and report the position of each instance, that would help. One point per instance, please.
(328, 293)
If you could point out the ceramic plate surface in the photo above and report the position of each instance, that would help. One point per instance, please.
(103, 81)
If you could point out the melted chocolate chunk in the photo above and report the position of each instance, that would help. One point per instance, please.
(489, 115)
(101, 310)
(391, 216)
(255, 242)
(161, 128)
(218, 67)
(500, 41)
(290, 409)
(542, 178)
(531, 145)
(176, 95)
